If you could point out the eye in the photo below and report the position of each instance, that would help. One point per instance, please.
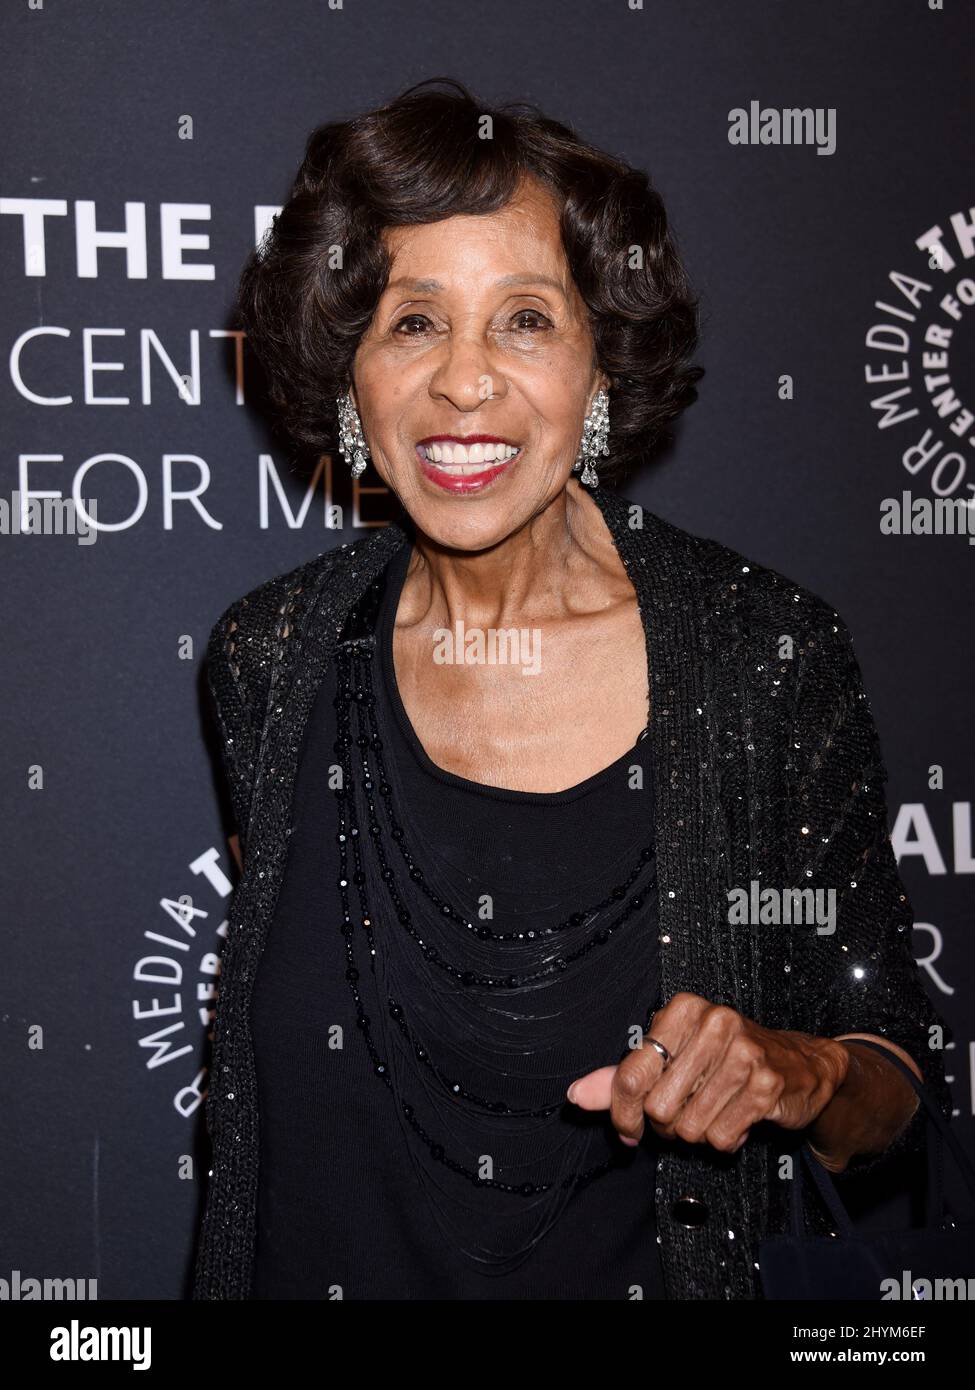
(542, 324)
(411, 319)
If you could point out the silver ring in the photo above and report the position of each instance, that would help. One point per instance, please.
(660, 1048)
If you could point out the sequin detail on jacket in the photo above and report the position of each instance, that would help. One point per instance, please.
(766, 769)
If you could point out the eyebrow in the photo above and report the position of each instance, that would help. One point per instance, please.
(506, 281)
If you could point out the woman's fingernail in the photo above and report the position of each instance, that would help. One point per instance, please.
(571, 1092)
(630, 1143)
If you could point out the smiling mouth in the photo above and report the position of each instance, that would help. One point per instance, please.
(466, 460)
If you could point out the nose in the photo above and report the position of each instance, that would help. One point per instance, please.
(466, 373)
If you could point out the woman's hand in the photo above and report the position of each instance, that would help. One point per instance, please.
(726, 1074)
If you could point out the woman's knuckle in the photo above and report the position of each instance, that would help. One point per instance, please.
(656, 1108)
(685, 1129)
(748, 1050)
(767, 1082)
(721, 1140)
(628, 1083)
(719, 1019)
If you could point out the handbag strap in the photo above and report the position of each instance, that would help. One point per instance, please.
(935, 1189)
(827, 1190)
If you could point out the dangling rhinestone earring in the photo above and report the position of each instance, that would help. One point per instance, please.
(352, 442)
(595, 436)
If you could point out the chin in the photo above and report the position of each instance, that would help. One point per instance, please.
(463, 525)
(476, 521)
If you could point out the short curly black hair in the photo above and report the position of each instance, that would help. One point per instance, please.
(423, 157)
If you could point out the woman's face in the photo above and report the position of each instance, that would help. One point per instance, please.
(480, 332)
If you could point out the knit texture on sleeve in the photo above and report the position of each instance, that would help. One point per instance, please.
(863, 978)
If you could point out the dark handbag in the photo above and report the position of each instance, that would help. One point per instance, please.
(921, 1263)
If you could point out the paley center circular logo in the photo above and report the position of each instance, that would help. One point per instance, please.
(919, 362)
(175, 978)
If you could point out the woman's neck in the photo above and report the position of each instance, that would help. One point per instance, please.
(554, 564)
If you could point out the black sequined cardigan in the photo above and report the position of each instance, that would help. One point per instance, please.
(767, 768)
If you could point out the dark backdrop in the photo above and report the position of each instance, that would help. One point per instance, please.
(790, 251)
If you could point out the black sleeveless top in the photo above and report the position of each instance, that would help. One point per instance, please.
(343, 1210)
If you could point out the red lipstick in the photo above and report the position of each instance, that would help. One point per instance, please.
(465, 482)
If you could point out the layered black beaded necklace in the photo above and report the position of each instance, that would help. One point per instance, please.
(431, 933)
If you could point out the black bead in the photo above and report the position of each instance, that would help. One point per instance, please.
(690, 1212)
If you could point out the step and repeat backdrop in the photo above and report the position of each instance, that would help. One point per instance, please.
(816, 162)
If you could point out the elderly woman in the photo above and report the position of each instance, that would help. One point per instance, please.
(493, 1021)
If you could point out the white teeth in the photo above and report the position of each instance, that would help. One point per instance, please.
(464, 458)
